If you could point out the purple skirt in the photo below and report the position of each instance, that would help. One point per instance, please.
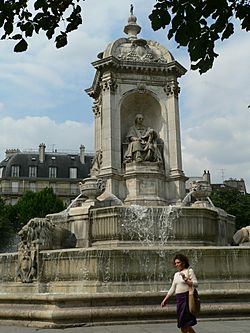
(184, 317)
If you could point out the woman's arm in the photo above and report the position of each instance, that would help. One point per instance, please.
(191, 280)
(170, 293)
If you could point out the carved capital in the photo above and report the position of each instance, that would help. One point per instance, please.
(109, 85)
(97, 107)
(172, 88)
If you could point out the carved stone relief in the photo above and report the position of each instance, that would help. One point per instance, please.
(139, 50)
(97, 106)
(172, 88)
(109, 85)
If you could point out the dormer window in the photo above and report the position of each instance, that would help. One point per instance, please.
(32, 171)
(15, 171)
(72, 173)
(1, 172)
(52, 172)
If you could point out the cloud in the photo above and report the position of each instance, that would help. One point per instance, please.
(215, 118)
(1, 107)
(42, 96)
(29, 132)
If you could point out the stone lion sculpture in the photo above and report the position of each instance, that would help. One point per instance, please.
(39, 234)
(242, 235)
(49, 235)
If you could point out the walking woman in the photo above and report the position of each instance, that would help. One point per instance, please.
(183, 279)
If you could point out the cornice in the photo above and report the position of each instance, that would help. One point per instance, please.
(113, 64)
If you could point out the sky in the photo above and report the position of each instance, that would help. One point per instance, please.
(43, 98)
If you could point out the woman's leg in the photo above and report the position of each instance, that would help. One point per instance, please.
(188, 329)
(191, 330)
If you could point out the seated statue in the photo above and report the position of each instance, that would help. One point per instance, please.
(142, 143)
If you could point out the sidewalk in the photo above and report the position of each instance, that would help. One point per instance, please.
(203, 326)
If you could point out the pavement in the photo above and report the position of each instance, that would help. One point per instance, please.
(203, 326)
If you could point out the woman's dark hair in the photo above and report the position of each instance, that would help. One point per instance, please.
(183, 259)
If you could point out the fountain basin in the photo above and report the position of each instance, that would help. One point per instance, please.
(121, 284)
(167, 225)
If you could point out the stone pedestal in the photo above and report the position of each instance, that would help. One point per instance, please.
(144, 184)
(78, 223)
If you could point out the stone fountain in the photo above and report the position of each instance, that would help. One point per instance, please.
(113, 259)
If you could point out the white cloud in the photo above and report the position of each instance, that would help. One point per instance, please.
(215, 117)
(1, 107)
(29, 132)
(42, 96)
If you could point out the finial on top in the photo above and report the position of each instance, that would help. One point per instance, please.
(131, 9)
(132, 28)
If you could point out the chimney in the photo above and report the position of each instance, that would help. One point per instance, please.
(206, 176)
(82, 154)
(42, 152)
(11, 152)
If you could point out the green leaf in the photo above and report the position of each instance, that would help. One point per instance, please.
(21, 46)
(2, 19)
(39, 4)
(246, 23)
(61, 40)
(228, 31)
(159, 19)
(8, 27)
(50, 33)
(17, 36)
(181, 35)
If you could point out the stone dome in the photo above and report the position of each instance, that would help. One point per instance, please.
(136, 49)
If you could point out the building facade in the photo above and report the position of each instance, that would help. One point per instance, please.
(33, 171)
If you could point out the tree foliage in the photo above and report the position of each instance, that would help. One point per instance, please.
(4, 221)
(37, 205)
(21, 19)
(198, 24)
(13, 218)
(194, 24)
(233, 202)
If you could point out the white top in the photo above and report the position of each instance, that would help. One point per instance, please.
(179, 285)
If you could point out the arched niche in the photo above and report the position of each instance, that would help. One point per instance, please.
(144, 103)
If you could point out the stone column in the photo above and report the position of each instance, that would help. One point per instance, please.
(175, 159)
(110, 135)
(97, 110)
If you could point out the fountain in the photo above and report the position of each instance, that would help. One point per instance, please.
(132, 215)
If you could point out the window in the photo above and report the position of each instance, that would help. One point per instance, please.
(15, 170)
(14, 187)
(32, 171)
(52, 172)
(53, 186)
(74, 189)
(1, 172)
(33, 187)
(73, 173)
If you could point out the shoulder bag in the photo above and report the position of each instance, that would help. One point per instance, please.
(194, 303)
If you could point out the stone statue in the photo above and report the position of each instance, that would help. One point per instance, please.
(142, 143)
(39, 234)
(27, 262)
(96, 164)
(48, 235)
(131, 10)
(242, 235)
